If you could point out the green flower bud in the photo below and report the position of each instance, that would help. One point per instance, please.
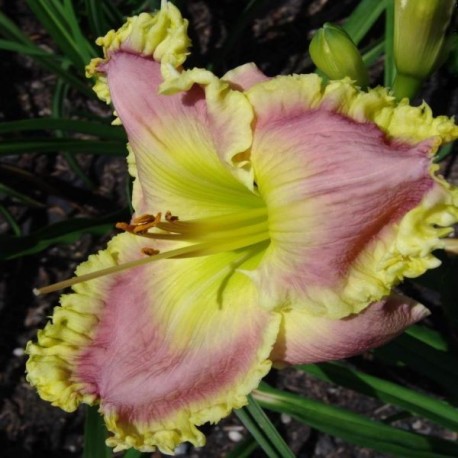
(334, 53)
(419, 31)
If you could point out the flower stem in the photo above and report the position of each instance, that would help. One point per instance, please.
(405, 86)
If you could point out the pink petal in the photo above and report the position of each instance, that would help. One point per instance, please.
(335, 189)
(245, 76)
(163, 348)
(305, 338)
(177, 145)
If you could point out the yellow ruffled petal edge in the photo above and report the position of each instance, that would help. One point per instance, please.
(170, 433)
(403, 249)
(396, 119)
(52, 360)
(161, 35)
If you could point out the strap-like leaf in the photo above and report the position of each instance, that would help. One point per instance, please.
(355, 428)
(417, 403)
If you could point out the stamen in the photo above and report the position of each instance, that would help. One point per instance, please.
(145, 222)
(149, 251)
(170, 218)
(146, 219)
(125, 227)
(200, 249)
(215, 223)
(217, 234)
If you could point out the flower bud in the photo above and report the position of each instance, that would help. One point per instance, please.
(419, 31)
(334, 53)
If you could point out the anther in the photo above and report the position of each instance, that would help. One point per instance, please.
(146, 219)
(125, 227)
(150, 251)
(141, 224)
(170, 218)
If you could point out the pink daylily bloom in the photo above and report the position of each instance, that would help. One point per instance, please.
(296, 208)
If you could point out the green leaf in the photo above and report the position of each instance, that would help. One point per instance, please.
(95, 434)
(243, 449)
(390, 69)
(113, 14)
(257, 433)
(371, 54)
(263, 431)
(363, 18)
(417, 403)
(58, 109)
(68, 125)
(86, 48)
(443, 152)
(67, 76)
(52, 16)
(20, 48)
(10, 30)
(47, 60)
(132, 453)
(10, 219)
(428, 336)
(437, 365)
(62, 232)
(97, 21)
(21, 197)
(355, 428)
(237, 30)
(268, 428)
(54, 145)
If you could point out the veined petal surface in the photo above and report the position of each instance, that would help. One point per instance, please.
(190, 144)
(305, 338)
(174, 142)
(338, 192)
(171, 345)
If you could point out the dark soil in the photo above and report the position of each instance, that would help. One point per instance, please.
(276, 38)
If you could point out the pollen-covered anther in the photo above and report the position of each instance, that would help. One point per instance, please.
(125, 227)
(145, 222)
(140, 224)
(146, 219)
(170, 218)
(149, 251)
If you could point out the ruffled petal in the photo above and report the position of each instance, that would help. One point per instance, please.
(305, 338)
(352, 210)
(244, 76)
(185, 147)
(163, 347)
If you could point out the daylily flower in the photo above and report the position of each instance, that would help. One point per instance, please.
(273, 217)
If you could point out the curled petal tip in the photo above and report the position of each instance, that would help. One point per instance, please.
(305, 338)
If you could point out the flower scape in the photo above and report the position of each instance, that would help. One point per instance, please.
(273, 219)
